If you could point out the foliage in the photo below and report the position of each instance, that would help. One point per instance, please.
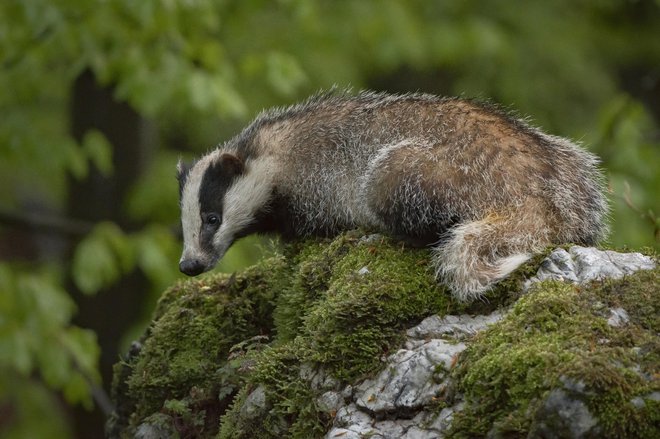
(197, 70)
(35, 336)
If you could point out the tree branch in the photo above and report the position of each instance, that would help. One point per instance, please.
(44, 223)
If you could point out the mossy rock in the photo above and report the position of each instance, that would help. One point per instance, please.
(557, 347)
(179, 367)
(231, 356)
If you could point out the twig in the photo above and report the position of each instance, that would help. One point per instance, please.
(647, 216)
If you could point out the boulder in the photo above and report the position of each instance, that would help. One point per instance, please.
(354, 338)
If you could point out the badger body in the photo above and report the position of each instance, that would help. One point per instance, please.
(483, 189)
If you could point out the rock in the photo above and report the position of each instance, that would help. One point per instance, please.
(640, 401)
(318, 379)
(407, 382)
(155, 427)
(618, 317)
(584, 264)
(410, 380)
(458, 327)
(254, 404)
(564, 416)
(330, 401)
(148, 431)
(342, 357)
(350, 422)
(442, 422)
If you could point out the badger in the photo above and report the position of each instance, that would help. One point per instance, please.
(483, 189)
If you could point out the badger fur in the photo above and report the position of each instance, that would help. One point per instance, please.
(483, 189)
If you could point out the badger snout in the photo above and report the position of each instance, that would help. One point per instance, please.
(191, 267)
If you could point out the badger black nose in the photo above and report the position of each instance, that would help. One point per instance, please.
(191, 267)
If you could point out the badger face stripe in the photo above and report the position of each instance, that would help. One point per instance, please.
(218, 178)
(202, 207)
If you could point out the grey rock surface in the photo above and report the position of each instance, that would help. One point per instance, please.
(618, 317)
(255, 403)
(640, 401)
(584, 264)
(393, 404)
(151, 431)
(408, 383)
(457, 327)
(563, 415)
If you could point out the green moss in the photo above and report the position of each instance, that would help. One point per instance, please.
(346, 307)
(374, 293)
(308, 283)
(556, 335)
(290, 410)
(340, 306)
(196, 323)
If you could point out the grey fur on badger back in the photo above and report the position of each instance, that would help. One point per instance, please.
(485, 190)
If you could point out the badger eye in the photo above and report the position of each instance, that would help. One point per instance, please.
(212, 220)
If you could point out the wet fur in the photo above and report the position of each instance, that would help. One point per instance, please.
(484, 189)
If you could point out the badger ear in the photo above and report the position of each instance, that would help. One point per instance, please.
(230, 164)
(182, 171)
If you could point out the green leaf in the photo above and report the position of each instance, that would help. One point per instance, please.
(99, 151)
(199, 90)
(228, 100)
(157, 255)
(101, 258)
(77, 390)
(54, 363)
(35, 411)
(75, 160)
(46, 299)
(82, 346)
(284, 73)
(154, 196)
(15, 352)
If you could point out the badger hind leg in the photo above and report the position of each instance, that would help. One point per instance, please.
(473, 256)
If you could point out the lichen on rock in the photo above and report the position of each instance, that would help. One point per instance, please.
(353, 337)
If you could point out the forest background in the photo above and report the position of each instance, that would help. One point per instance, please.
(99, 100)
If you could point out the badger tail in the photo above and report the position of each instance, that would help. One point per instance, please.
(473, 256)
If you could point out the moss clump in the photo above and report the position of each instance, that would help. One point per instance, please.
(557, 337)
(373, 293)
(195, 325)
(290, 410)
(346, 307)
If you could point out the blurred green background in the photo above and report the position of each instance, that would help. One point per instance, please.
(99, 99)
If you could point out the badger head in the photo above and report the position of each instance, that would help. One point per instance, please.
(219, 199)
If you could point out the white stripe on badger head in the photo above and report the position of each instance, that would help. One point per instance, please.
(191, 221)
(249, 193)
